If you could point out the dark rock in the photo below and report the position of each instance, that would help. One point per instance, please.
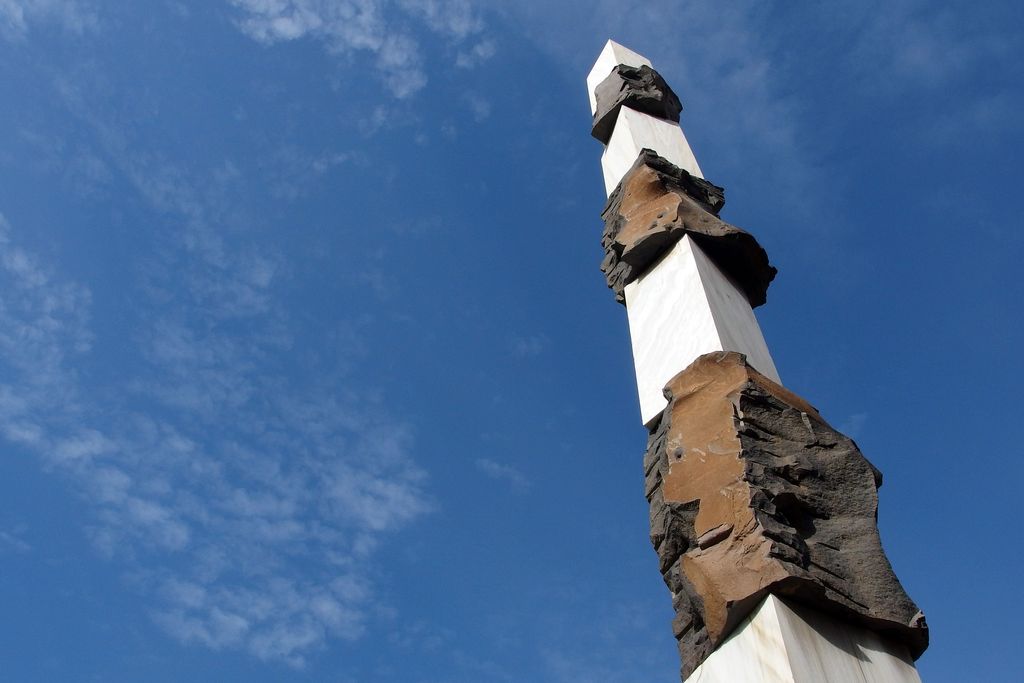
(639, 88)
(654, 206)
(766, 497)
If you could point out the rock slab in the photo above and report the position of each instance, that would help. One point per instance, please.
(752, 493)
(640, 88)
(654, 206)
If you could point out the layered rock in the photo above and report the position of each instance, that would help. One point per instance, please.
(654, 206)
(752, 492)
(640, 88)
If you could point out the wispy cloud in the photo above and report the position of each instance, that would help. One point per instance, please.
(476, 54)
(296, 171)
(251, 520)
(43, 322)
(17, 16)
(853, 425)
(455, 18)
(479, 106)
(502, 472)
(528, 346)
(605, 639)
(907, 49)
(11, 541)
(246, 501)
(914, 43)
(347, 27)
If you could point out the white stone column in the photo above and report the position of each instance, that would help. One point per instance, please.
(786, 643)
(681, 308)
(684, 306)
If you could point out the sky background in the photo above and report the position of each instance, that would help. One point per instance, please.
(308, 372)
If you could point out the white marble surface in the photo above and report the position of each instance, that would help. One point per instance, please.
(682, 308)
(734, 318)
(787, 643)
(634, 131)
(611, 56)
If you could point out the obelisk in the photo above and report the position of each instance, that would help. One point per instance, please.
(762, 515)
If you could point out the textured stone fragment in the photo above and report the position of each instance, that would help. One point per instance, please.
(640, 88)
(654, 206)
(752, 492)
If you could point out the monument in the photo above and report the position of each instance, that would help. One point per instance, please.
(763, 516)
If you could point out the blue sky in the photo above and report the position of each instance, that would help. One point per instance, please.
(308, 373)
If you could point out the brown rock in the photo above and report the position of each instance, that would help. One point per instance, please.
(638, 87)
(654, 206)
(751, 493)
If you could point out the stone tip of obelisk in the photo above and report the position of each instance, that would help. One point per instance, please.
(611, 56)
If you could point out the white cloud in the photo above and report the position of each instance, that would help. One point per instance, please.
(910, 43)
(302, 617)
(12, 17)
(85, 443)
(456, 18)
(399, 60)
(17, 15)
(479, 107)
(296, 171)
(853, 425)
(42, 322)
(528, 346)
(503, 472)
(905, 48)
(11, 541)
(250, 506)
(476, 54)
(346, 27)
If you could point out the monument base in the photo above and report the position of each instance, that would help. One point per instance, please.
(782, 642)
